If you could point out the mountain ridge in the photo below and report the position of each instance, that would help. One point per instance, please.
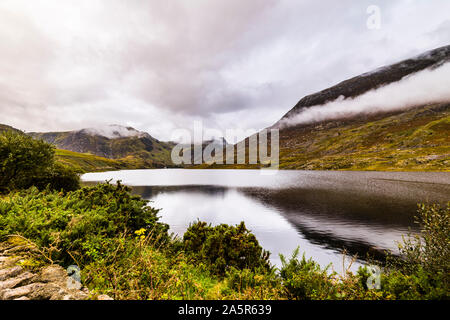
(371, 80)
(112, 142)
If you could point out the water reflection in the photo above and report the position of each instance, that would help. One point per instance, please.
(284, 219)
(322, 212)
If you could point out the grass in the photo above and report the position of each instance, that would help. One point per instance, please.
(86, 162)
(417, 140)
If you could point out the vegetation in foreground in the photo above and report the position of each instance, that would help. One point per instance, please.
(123, 249)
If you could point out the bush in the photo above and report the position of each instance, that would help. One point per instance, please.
(57, 177)
(223, 246)
(304, 279)
(79, 224)
(429, 250)
(423, 269)
(26, 162)
(21, 159)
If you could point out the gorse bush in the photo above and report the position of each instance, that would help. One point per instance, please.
(26, 162)
(81, 224)
(57, 177)
(305, 279)
(223, 246)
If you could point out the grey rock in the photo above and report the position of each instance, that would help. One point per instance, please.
(10, 272)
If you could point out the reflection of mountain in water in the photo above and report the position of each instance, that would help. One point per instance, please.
(336, 220)
(333, 219)
(149, 192)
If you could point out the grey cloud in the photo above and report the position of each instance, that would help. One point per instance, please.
(158, 65)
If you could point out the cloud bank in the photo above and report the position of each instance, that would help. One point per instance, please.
(428, 86)
(159, 65)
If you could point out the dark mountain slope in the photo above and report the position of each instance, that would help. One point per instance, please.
(371, 80)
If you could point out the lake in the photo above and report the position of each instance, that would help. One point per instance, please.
(323, 212)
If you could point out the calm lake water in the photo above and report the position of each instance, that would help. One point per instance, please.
(323, 212)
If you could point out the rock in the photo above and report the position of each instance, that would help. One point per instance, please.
(9, 272)
(16, 281)
(51, 282)
(11, 294)
(54, 273)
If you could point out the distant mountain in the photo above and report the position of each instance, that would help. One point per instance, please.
(112, 142)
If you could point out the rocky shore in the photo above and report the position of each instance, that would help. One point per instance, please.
(21, 278)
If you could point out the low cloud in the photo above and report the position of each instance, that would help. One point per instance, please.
(424, 87)
(160, 65)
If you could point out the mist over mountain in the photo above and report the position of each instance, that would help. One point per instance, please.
(112, 142)
(410, 83)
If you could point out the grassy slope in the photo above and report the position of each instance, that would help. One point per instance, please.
(416, 140)
(129, 153)
(85, 162)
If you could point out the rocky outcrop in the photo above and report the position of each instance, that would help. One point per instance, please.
(20, 280)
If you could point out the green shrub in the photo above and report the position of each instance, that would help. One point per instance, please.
(304, 279)
(429, 249)
(21, 159)
(419, 285)
(223, 246)
(422, 271)
(57, 177)
(78, 224)
(26, 162)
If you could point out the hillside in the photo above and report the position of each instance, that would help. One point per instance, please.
(125, 144)
(87, 162)
(4, 127)
(415, 137)
(363, 83)
(418, 139)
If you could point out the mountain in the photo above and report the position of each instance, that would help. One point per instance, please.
(383, 76)
(414, 136)
(113, 142)
(82, 162)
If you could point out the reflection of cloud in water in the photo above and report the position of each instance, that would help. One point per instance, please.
(322, 211)
(273, 231)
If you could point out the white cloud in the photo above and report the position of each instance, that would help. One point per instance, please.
(425, 87)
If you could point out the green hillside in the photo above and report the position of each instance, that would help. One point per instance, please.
(413, 140)
(85, 162)
(416, 140)
(4, 127)
(136, 150)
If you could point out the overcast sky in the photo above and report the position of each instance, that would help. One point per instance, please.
(159, 65)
